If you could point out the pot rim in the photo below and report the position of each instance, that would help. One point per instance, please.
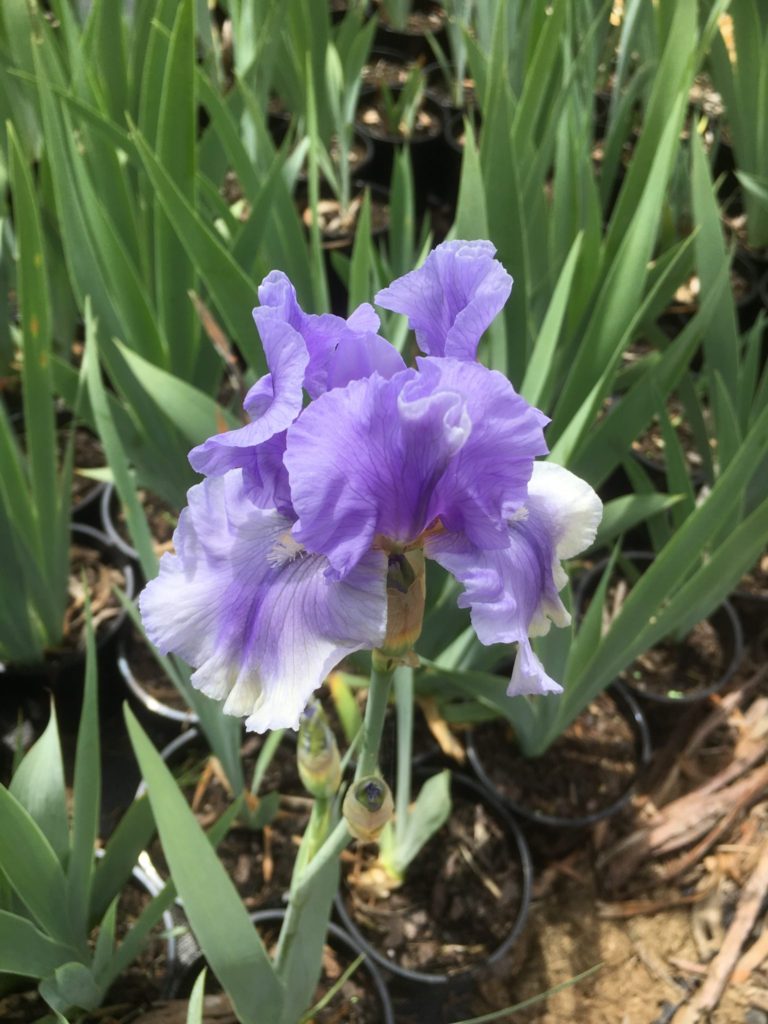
(428, 100)
(150, 703)
(110, 529)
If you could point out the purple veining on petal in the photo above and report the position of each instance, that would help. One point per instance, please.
(367, 459)
(452, 299)
(488, 478)
(256, 616)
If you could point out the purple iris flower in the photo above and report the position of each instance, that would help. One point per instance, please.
(282, 554)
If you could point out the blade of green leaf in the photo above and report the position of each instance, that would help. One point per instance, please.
(25, 950)
(38, 784)
(231, 289)
(196, 1000)
(131, 835)
(137, 521)
(176, 152)
(86, 793)
(218, 918)
(33, 869)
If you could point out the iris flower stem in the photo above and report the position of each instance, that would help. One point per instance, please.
(375, 710)
(404, 708)
(312, 860)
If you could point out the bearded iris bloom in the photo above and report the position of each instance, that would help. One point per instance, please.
(283, 555)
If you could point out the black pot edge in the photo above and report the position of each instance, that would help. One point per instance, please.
(147, 701)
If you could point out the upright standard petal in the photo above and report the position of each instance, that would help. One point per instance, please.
(488, 478)
(364, 463)
(273, 403)
(452, 299)
(338, 350)
(512, 592)
(254, 613)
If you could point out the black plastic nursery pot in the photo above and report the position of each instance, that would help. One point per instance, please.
(360, 157)
(365, 998)
(440, 89)
(25, 689)
(745, 276)
(341, 241)
(682, 671)
(592, 768)
(501, 909)
(411, 41)
(649, 452)
(427, 146)
(161, 521)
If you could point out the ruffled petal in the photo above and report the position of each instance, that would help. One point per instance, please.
(255, 614)
(488, 478)
(366, 460)
(512, 592)
(273, 403)
(265, 477)
(452, 299)
(338, 350)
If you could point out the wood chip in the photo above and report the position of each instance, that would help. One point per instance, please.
(722, 967)
(751, 960)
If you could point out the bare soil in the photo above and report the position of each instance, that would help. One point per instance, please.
(650, 445)
(675, 667)
(88, 574)
(259, 861)
(337, 226)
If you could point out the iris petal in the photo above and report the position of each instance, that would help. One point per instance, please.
(254, 614)
(513, 591)
(452, 299)
(273, 402)
(387, 459)
(366, 460)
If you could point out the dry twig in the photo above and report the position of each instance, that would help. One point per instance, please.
(722, 966)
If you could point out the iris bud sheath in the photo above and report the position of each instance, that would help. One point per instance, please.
(368, 806)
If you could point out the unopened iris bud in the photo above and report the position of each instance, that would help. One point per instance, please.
(317, 754)
(406, 591)
(368, 807)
